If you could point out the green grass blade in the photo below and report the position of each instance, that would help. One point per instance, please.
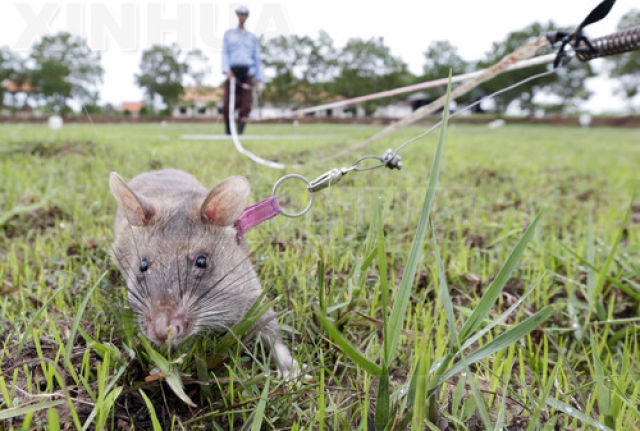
(456, 401)
(21, 411)
(53, 420)
(383, 404)
(172, 375)
(110, 400)
(349, 349)
(478, 398)
(36, 317)
(591, 269)
(575, 413)
(495, 288)
(250, 318)
(475, 337)
(231, 337)
(535, 417)
(76, 321)
(602, 276)
(417, 398)
(602, 392)
(156, 358)
(175, 383)
(444, 294)
(369, 251)
(89, 421)
(500, 342)
(503, 403)
(629, 290)
(258, 415)
(633, 408)
(404, 290)
(152, 411)
(384, 286)
(320, 271)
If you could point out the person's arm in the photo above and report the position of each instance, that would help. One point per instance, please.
(257, 61)
(226, 69)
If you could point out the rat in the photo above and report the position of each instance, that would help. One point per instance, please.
(176, 245)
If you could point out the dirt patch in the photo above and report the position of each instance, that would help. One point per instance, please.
(7, 287)
(511, 200)
(486, 176)
(155, 164)
(280, 245)
(585, 196)
(475, 240)
(37, 220)
(423, 278)
(50, 149)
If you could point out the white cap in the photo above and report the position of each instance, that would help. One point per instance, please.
(243, 10)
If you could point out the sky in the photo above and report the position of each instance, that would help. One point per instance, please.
(121, 29)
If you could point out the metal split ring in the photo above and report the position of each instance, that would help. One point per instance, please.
(299, 177)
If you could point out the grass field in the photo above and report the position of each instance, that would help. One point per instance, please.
(68, 356)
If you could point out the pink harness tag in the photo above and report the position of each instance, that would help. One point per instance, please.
(256, 213)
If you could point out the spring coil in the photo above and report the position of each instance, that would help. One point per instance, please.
(616, 43)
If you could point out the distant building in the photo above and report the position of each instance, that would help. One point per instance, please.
(132, 109)
(199, 102)
(276, 110)
(204, 103)
(420, 99)
(15, 87)
(352, 111)
(396, 110)
(19, 93)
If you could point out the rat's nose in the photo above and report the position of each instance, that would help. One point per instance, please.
(167, 327)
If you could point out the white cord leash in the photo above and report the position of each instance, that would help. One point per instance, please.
(234, 132)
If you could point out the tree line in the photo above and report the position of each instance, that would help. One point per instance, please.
(58, 68)
(302, 70)
(310, 71)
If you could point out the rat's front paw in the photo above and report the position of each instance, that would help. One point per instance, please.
(294, 372)
(287, 367)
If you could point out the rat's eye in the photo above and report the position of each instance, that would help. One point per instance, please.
(144, 265)
(201, 262)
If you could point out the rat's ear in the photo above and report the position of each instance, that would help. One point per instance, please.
(226, 201)
(137, 210)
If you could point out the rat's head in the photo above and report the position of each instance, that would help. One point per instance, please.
(184, 268)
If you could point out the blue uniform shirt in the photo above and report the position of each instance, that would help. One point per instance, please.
(241, 48)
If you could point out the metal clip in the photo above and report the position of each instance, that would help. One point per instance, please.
(328, 178)
(391, 159)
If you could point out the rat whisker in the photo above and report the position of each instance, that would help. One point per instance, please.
(141, 292)
(217, 282)
(135, 245)
(122, 265)
(178, 270)
(211, 297)
(186, 258)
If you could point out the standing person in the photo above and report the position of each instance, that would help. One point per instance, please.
(240, 59)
